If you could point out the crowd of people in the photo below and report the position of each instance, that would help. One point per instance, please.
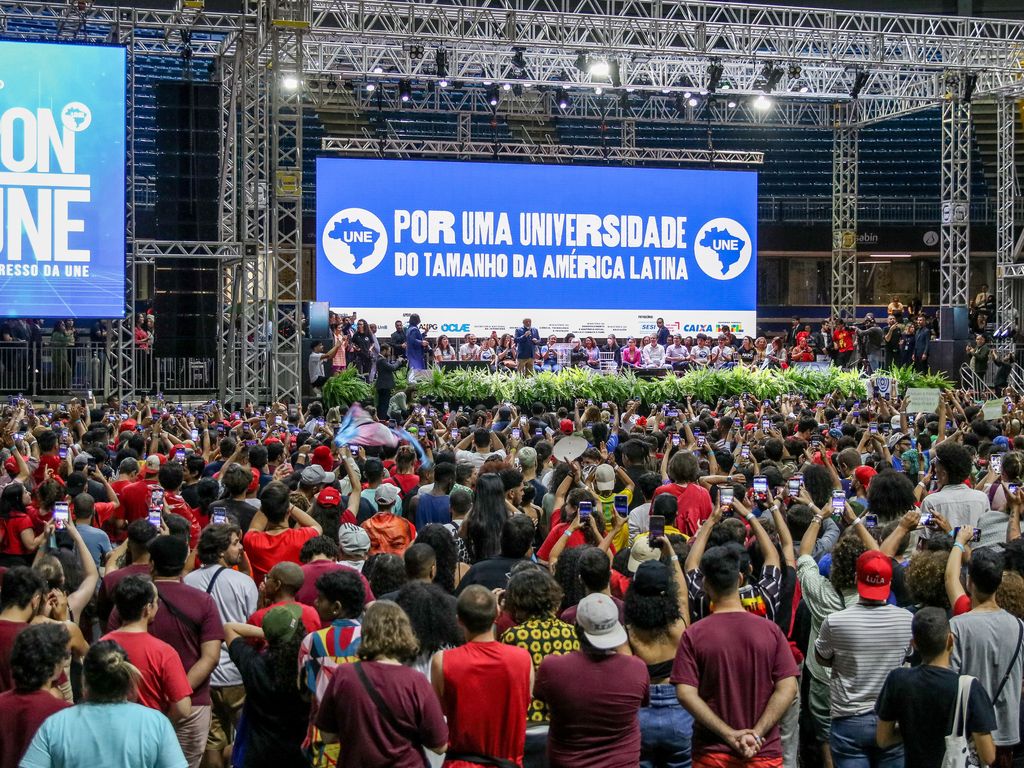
(733, 583)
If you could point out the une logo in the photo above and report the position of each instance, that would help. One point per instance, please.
(722, 248)
(354, 241)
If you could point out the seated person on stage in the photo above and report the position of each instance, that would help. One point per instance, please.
(549, 360)
(653, 354)
(722, 354)
(444, 351)
(677, 354)
(632, 355)
(591, 353)
(469, 350)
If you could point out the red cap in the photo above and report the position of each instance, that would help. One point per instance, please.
(271, 441)
(11, 465)
(322, 456)
(566, 426)
(255, 481)
(864, 475)
(328, 497)
(874, 575)
(128, 424)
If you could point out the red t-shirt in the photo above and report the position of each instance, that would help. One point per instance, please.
(9, 630)
(593, 702)
(577, 539)
(163, 680)
(267, 550)
(843, 339)
(135, 500)
(310, 618)
(13, 526)
(486, 696)
(368, 738)
(313, 571)
(734, 661)
(199, 622)
(23, 714)
(105, 598)
(693, 503)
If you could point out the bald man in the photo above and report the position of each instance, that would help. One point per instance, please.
(282, 584)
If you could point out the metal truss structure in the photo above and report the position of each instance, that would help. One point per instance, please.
(955, 194)
(820, 68)
(845, 137)
(1006, 119)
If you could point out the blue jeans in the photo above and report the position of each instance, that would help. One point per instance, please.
(666, 730)
(853, 744)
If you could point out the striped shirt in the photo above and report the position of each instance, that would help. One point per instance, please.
(865, 642)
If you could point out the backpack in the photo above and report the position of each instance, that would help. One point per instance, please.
(389, 533)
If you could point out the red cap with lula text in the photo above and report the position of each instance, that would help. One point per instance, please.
(874, 575)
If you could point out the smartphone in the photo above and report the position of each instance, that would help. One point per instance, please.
(744, 451)
(949, 425)
(19, 436)
(604, 406)
(701, 440)
(250, 443)
(873, 428)
(195, 435)
(657, 529)
(61, 515)
(179, 455)
(156, 497)
(793, 484)
(672, 413)
(838, 503)
(219, 516)
(63, 451)
(516, 433)
(927, 520)
(766, 424)
(870, 520)
(154, 517)
(446, 406)
(816, 441)
(455, 433)
(1012, 487)
(995, 463)
(263, 423)
(956, 532)
(88, 393)
(760, 487)
(621, 505)
(586, 509)
(725, 497)
(675, 439)
(539, 433)
(428, 424)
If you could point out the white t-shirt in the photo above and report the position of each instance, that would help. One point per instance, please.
(477, 459)
(236, 597)
(316, 365)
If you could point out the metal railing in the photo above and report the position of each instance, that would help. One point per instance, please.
(874, 210)
(42, 370)
(969, 379)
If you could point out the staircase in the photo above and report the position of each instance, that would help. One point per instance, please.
(984, 127)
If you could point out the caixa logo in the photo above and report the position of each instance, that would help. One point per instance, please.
(454, 327)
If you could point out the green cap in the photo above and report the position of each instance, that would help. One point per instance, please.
(282, 623)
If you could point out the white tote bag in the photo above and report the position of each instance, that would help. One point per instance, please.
(958, 751)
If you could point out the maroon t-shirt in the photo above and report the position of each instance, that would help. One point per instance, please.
(105, 598)
(313, 571)
(199, 622)
(23, 714)
(367, 739)
(8, 631)
(569, 614)
(594, 701)
(734, 661)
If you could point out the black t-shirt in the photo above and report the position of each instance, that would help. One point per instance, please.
(191, 495)
(276, 717)
(241, 512)
(784, 616)
(921, 700)
(492, 572)
(746, 355)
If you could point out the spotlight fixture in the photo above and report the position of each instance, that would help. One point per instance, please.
(378, 70)
(731, 103)
(794, 71)
(416, 51)
(859, 81)
(687, 94)
(506, 86)
(370, 87)
(518, 59)
(599, 68)
(492, 95)
(441, 62)
(442, 83)
(715, 71)
(562, 98)
(763, 103)
(772, 74)
(598, 90)
(692, 101)
(970, 83)
(404, 90)
(804, 89)
(290, 82)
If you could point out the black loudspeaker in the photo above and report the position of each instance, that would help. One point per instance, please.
(186, 208)
(954, 323)
(188, 160)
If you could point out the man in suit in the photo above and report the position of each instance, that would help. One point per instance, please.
(527, 340)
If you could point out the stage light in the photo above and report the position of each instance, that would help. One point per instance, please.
(687, 94)
(441, 62)
(506, 86)
(562, 98)
(443, 82)
(731, 103)
(859, 81)
(493, 95)
(692, 101)
(290, 82)
(771, 74)
(599, 68)
(762, 103)
(416, 51)
(715, 71)
(598, 90)
(804, 89)
(970, 83)
(404, 90)
(518, 60)
(378, 70)
(370, 87)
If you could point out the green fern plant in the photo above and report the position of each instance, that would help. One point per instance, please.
(345, 388)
